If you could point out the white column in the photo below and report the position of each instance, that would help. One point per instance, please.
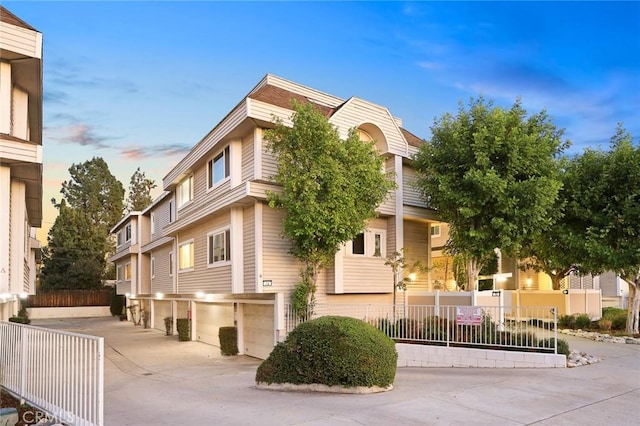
(194, 322)
(18, 242)
(239, 324)
(5, 99)
(338, 275)
(257, 153)
(237, 250)
(399, 205)
(235, 162)
(5, 191)
(258, 211)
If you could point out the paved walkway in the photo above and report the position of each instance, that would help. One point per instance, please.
(151, 379)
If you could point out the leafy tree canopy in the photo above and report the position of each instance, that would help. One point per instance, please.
(139, 191)
(74, 258)
(95, 191)
(493, 175)
(330, 187)
(603, 191)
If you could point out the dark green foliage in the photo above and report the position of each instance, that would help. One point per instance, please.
(563, 346)
(583, 321)
(619, 323)
(140, 188)
(184, 329)
(20, 320)
(116, 303)
(617, 316)
(335, 351)
(567, 321)
(228, 340)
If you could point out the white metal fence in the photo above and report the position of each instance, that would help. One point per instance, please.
(500, 327)
(58, 372)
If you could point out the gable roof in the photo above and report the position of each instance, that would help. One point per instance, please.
(412, 139)
(10, 18)
(283, 98)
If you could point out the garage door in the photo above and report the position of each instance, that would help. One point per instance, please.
(209, 318)
(161, 310)
(258, 330)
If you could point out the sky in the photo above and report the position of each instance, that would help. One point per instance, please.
(140, 83)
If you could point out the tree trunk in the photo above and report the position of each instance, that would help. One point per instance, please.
(473, 271)
(555, 280)
(633, 319)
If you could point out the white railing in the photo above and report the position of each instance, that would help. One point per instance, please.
(500, 327)
(59, 372)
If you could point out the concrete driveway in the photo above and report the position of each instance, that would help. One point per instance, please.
(151, 379)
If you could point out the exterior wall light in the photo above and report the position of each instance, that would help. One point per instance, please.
(159, 295)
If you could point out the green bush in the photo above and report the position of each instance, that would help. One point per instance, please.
(567, 321)
(20, 320)
(563, 346)
(335, 351)
(617, 316)
(583, 321)
(116, 303)
(228, 340)
(184, 329)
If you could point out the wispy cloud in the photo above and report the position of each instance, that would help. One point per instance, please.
(54, 96)
(79, 134)
(141, 152)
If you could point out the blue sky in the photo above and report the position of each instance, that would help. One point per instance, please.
(139, 83)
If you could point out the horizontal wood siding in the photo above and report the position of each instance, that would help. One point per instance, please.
(20, 151)
(247, 158)
(269, 162)
(388, 206)
(416, 248)
(367, 275)
(202, 278)
(411, 194)
(249, 249)
(278, 265)
(161, 217)
(162, 282)
(20, 40)
(391, 235)
(357, 112)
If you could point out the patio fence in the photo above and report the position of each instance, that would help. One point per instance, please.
(498, 327)
(58, 372)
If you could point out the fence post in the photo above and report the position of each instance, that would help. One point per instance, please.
(23, 361)
(100, 382)
(555, 330)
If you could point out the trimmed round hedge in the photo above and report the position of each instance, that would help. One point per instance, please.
(334, 351)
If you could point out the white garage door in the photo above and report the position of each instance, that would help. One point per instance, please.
(209, 318)
(161, 310)
(258, 330)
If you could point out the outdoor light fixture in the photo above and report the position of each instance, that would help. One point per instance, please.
(412, 277)
(159, 295)
(127, 294)
(199, 295)
(529, 282)
(23, 296)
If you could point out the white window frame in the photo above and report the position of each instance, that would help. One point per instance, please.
(127, 271)
(171, 211)
(370, 244)
(119, 273)
(153, 223)
(127, 233)
(226, 233)
(225, 159)
(119, 238)
(153, 267)
(436, 231)
(183, 201)
(191, 254)
(171, 261)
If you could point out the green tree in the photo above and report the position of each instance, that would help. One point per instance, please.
(95, 191)
(492, 174)
(74, 258)
(330, 187)
(139, 191)
(603, 200)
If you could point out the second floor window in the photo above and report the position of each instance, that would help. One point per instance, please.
(372, 243)
(127, 232)
(435, 230)
(127, 272)
(185, 256)
(219, 247)
(218, 168)
(185, 191)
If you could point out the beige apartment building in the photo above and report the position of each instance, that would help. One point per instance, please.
(20, 159)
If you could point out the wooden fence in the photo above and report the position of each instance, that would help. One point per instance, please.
(69, 298)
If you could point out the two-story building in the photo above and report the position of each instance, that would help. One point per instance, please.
(210, 248)
(20, 159)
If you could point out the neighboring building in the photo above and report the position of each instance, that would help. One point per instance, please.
(20, 158)
(210, 248)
